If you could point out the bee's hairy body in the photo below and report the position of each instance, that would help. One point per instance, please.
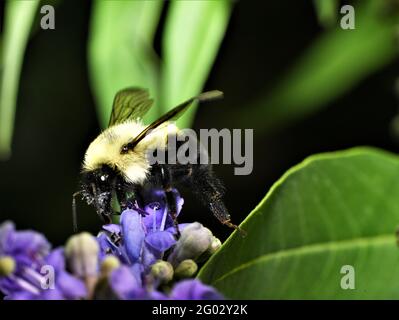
(134, 166)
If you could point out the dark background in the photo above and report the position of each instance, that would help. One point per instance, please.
(56, 118)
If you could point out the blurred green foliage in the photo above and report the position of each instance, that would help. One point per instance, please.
(337, 61)
(19, 16)
(193, 33)
(327, 12)
(120, 52)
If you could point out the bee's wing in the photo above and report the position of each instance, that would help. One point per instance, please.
(173, 114)
(130, 103)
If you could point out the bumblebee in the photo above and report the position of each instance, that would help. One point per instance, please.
(116, 164)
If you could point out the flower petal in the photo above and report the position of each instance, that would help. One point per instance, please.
(20, 295)
(133, 234)
(29, 242)
(194, 290)
(149, 256)
(56, 259)
(181, 227)
(143, 294)
(6, 229)
(72, 288)
(156, 295)
(155, 204)
(112, 228)
(124, 281)
(153, 220)
(8, 286)
(160, 240)
(52, 294)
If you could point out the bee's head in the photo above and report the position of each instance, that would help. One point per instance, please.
(97, 188)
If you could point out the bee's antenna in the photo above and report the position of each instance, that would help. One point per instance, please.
(74, 212)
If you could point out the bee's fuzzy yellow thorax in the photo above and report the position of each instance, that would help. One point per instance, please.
(106, 149)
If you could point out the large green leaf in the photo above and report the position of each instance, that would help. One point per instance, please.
(19, 16)
(191, 40)
(335, 62)
(120, 50)
(331, 210)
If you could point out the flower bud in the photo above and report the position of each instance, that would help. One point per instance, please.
(195, 239)
(109, 264)
(186, 269)
(82, 253)
(162, 270)
(103, 290)
(215, 245)
(7, 266)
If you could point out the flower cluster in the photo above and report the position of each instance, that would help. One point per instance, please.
(146, 256)
(24, 256)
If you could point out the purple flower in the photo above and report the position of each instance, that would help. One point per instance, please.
(155, 207)
(140, 258)
(26, 247)
(31, 255)
(147, 234)
(125, 285)
(69, 287)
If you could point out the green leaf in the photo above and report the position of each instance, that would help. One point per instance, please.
(120, 50)
(327, 12)
(336, 62)
(19, 16)
(191, 40)
(332, 210)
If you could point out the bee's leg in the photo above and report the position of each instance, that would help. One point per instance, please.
(106, 215)
(210, 191)
(125, 203)
(166, 180)
(116, 238)
(107, 218)
(126, 195)
(208, 188)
